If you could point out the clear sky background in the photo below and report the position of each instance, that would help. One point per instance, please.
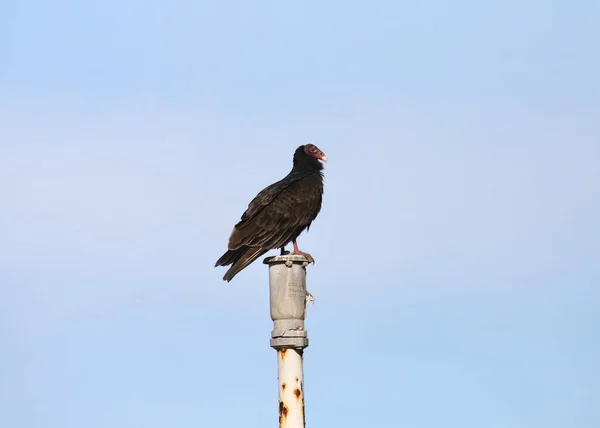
(458, 249)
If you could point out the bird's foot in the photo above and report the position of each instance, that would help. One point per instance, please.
(301, 253)
(309, 298)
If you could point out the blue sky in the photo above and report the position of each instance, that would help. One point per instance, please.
(457, 251)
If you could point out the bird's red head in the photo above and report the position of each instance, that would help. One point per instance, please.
(315, 152)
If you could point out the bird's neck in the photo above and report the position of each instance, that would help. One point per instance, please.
(306, 166)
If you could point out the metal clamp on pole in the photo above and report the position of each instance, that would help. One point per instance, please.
(287, 284)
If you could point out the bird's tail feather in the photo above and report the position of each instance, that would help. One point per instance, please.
(231, 256)
(240, 258)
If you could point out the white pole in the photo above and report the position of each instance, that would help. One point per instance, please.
(291, 393)
(287, 284)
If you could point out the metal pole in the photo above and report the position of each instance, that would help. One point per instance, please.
(287, 284)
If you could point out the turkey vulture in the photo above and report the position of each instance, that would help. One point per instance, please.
(279, 213)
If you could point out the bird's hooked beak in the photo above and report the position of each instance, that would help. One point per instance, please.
(323, 158)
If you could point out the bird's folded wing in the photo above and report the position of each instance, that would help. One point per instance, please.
(260, 201)
(277, 222)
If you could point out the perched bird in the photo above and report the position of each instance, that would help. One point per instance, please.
(279, 213)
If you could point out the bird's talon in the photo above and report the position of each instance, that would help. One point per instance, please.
(306, 255)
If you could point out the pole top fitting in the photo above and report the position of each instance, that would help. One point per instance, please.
(289, 339)
(287, 286)
(288, 260)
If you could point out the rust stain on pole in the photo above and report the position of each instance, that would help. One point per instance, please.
(283, 411)
(283, 385)
(280, 410)
(297, 393)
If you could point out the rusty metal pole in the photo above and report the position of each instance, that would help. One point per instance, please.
(287, 284)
